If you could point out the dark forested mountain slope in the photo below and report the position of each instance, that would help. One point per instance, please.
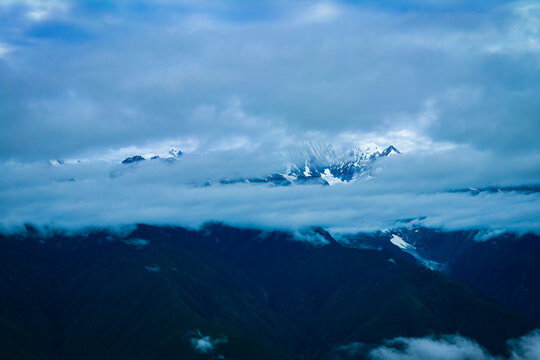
(223, 292)
(505, 267)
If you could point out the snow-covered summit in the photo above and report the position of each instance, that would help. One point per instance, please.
(365, 152)
(171, 155)
(324, 162)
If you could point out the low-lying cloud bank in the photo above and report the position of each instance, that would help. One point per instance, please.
(452, 347)
(401, 187)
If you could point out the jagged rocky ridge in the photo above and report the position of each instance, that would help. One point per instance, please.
(323, 164)
(318, 164)
(172, 155)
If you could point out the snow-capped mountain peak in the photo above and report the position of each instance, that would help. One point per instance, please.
(171, 155)
(55, 163)
(325, 164)
(365, 151)
(390, 150)
(317, 163)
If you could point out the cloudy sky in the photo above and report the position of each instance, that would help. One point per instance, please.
(239, 86)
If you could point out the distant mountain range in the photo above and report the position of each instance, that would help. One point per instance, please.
(172, 155)
(317, 164)
(229, 293)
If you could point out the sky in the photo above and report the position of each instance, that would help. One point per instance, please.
(240, 86)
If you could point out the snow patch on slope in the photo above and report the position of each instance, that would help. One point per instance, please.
(330, 178)
(410, 249)
(399, 242)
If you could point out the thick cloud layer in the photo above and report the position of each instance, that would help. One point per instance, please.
(79, 76)
(100, 193)
(240, 87)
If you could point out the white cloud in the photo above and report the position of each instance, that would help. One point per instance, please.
(36, 10)
(204, 344)
(449, 347)
(526, 347)
(445, 348)
(318, 13)
(4, 49)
